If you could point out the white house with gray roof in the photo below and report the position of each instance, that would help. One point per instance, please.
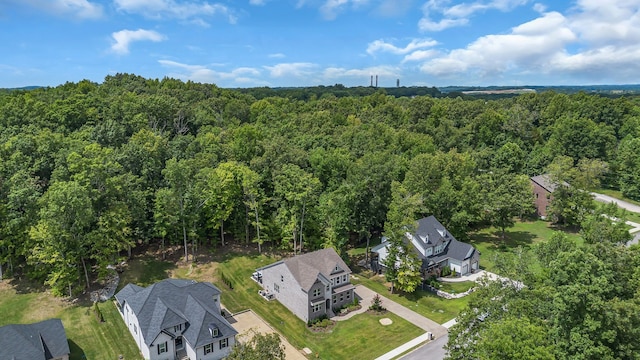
(436, 247)
(310, 285)
(176, 319)
(45, 340)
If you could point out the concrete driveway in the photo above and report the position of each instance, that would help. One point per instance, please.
(248, 323)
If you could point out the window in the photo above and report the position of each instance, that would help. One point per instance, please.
(338, 280)
(316, 292)
(208, 349)
(344, 278)
(349, 295)
(224, 343)
(327, 288)
(177, 328)
(214, 332)
(341, 297)
(317, 307)
(335, 299)
(135, 329)
(162, 348)
(337, 268)
(537, 195)
(276, 288)
(282, 278)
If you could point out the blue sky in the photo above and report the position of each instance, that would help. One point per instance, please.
(322, 42)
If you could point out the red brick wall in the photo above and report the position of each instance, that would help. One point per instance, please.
(542, 197)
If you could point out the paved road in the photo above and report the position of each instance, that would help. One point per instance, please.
(430, 351)
(621, 203)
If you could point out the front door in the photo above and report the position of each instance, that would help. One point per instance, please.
(179, 345)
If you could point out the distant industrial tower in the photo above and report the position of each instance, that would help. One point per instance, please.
(397, 82)
(376, 81)
(371, 80)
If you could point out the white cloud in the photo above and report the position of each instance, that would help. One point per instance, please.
(203, 74)
(185, 10)
(438, 16)
(82, 9)
(257, 2)
(330, 8)
(420, 55)
(593, 41)
(337, 73)
(528, 46)
(415, 44)
(277, 56)
(124, 38)
(291, 69)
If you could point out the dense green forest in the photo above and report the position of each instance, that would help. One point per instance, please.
(89, 170)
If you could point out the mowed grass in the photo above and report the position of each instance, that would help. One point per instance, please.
(423, 302)
(456, 287)
(88, 338)
(362, 334)
(525, 233)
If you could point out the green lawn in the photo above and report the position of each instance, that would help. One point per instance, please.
(456, 287)
(361, 335)
(424, 303)
(87, 336)
(490, 243)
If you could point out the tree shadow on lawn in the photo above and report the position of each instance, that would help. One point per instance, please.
(145, 271)
(76, 352)
(494, 239)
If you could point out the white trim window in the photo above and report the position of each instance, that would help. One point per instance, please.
(316, 292)
(224, 343)
(208, 348)
(317, 307)
(162, 348)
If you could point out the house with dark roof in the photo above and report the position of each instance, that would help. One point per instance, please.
(176, 319)
(311, 285)
(436, 247)
(543, 188)
(45, 340)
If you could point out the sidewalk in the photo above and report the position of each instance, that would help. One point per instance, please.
(405, 313)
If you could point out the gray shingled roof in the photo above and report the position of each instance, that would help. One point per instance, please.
(171, 302)
(306, 267)
(545, 182)
(431, 232)
(44, 340)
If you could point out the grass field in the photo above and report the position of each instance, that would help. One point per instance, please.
(88, 338)
(456, 287)
(490, 243)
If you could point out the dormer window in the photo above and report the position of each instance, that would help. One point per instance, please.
(213, 330)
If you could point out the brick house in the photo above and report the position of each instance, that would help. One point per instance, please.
(543, 188)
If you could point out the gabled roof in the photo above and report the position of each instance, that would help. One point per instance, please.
(44, 340)
(545, 182)
(431, 232)
(306, 268)
(171, 302)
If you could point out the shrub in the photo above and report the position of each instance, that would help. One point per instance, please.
(446, 271)
(376, 304)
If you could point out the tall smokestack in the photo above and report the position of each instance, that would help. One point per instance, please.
(371, 80)
(376, 80)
